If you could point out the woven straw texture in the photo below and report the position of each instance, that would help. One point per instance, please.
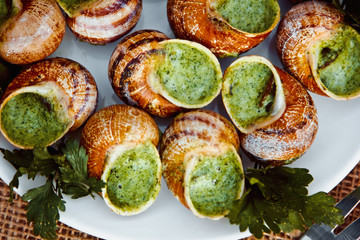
(13, 223)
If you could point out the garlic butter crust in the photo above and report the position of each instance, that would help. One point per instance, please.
(198, 21)
(198, 129)
(115, 125)
(32, 34)
(106, 21)
(292, 134)
(74, 79)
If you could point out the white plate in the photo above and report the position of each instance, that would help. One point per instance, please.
(336, 150)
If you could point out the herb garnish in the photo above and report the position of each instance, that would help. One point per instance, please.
(65, 169)
(277, 200)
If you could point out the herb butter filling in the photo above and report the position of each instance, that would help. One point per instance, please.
(72, 7)
(30, 119)
(339, 62)
(215, 183)
(134, 178)
(7, 10)
(188, 74)
(252, 16)
(251, 92)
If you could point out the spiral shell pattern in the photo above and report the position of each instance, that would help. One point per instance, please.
(195, 20)
(34, 33)
(128, 68)
(106, 21)
(188, 132)
(115, 125)
(291, 135)
(300, 27)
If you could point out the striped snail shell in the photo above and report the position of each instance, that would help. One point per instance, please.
(31, 31)
(162, 75)
(121, 142)
(105, 21)
(288, 138)
(320, 50)
(226, 27)
(45, 101)
(201, 165)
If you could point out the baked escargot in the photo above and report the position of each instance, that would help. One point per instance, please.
(226, 27)
(102, 22)
(320, 50)
(252, 93)
(162, 75)
(289, 137)
(30, 30)
(121, 142)
(45, 101)
(201, 164)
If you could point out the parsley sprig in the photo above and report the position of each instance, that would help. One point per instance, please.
(65, 169)
(277, 200)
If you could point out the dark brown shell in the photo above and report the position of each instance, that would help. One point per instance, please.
(292, 134)
(106, 21)
(300, 27)
(32, 34)
(188, 131)
(196, 21)
(113, 125)
(127, 71)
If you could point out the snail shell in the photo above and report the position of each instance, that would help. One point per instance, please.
(112, 131)
(306, 36)
(291, 135)
(32, 34)
(65, 86)
(219, 30)
(190, 138)
(192, 73)
(106, 21)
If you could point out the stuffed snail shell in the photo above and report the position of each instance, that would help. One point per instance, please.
(30, 30)
(121, 142)
(105, 21)
(320, 50)
(162, 75)
(289, 137)
(226, 27)
(252, 93)
(201, 165)
(45, 101)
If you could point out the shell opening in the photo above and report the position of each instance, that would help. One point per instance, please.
(132, 175)
(35, 116)
(335, 63)
(253, 93)
(213, 179)
(252, 16)
(188, 75)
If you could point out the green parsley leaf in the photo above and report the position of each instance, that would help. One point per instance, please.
(277, 200)
(43, 209)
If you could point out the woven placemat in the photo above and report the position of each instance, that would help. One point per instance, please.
(13, 223)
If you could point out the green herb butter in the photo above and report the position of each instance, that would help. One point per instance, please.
(253, 16)
(339, 62)
(215, 182)
(72, 7)
(188, 74)
(251, 92)
(134, 177)
(30, 119)
(7, 10)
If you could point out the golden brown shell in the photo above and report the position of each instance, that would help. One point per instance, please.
(106, 21)
(292, 134)
(298, 29)
(195, 20)
(113, 125)
(72, 79)
(128, 69)
(32, 34)
(186, 133)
